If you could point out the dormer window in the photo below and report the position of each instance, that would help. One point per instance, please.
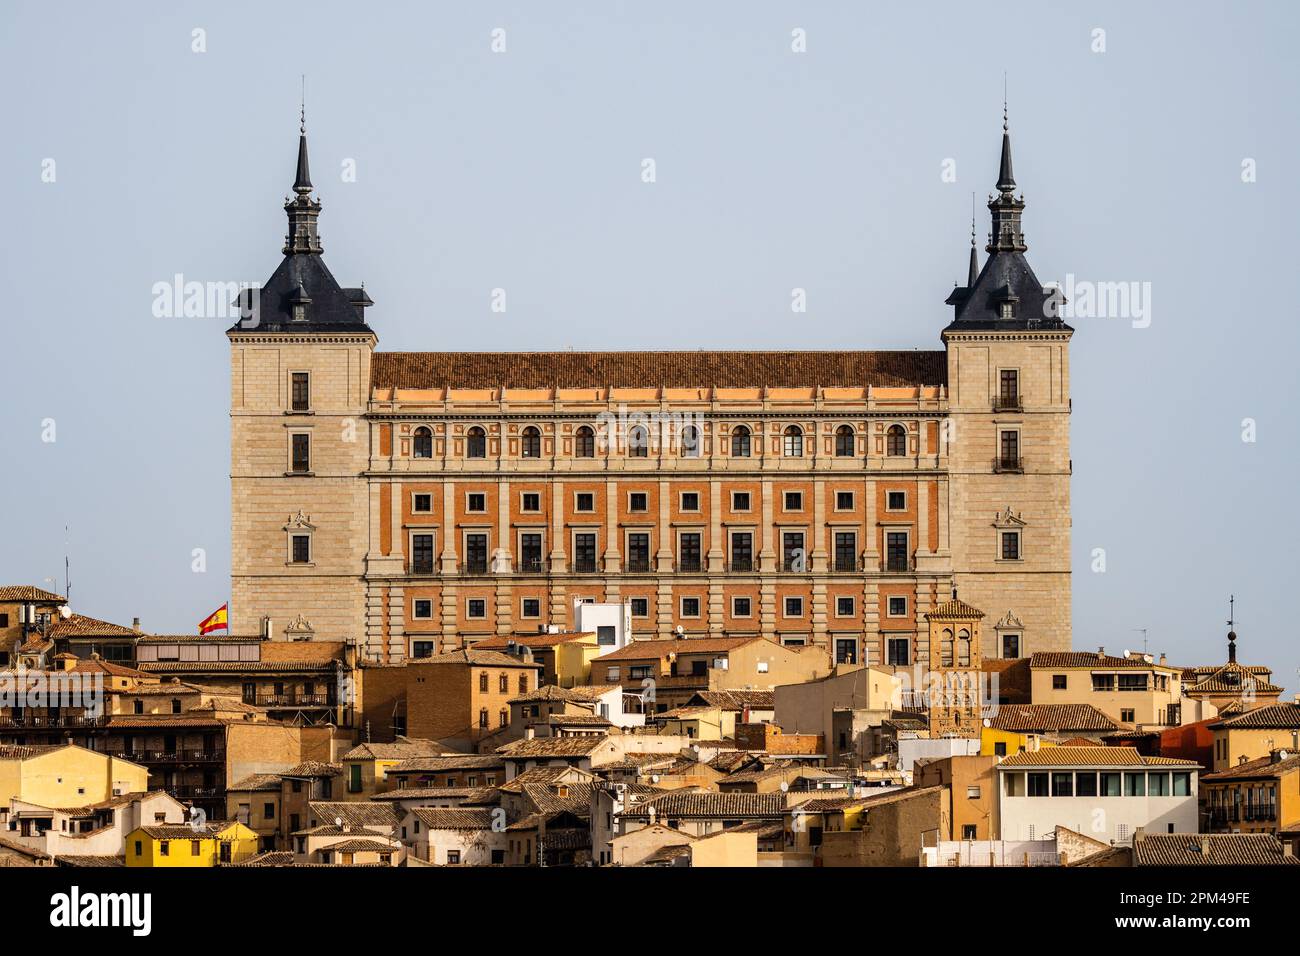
(1007, 310)
(298, 303)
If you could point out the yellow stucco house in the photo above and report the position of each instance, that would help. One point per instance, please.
(209, 844)
(66, 776)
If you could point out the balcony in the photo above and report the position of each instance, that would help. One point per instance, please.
(1008, 466)
(1261, 814)
(194, 793)
(898, 564)
(172, 756)
(530, 565)
(290, 700)
(1008, 403)
(34, 722)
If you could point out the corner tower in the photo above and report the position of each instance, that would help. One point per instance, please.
(1009, 439)
(299, 443)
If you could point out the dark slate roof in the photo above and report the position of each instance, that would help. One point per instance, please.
(1006, 274)
(786, 369)
(331, 308)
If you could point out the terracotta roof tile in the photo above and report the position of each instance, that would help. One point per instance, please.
(423, 370)
(1051, 718)
(1098, 756)
(645, 650)
(29, 594)
(1277, 717)
(698, 803)
(954, 610)
(442, 818)
(1068, 659)
(1209, 849)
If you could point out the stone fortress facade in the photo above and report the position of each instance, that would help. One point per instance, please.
(414, 502)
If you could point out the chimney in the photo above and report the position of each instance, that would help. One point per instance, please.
(1287, 850)
(135, 624)
(1241, 760)
(1101, 652)
(1205, 845)
(1163, 659)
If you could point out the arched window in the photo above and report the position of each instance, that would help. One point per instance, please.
(945, 648)
(638, 442)
(896, 441)
(505, 717)
(530, 445)
(844, 441)
(690, 442)
(422, 446)
(793, 444)
(584, 442)
(482, 718)
(503, 684)
(523, 683)
(740, 442)
(483, 682)
(476, 443)
(963, 647)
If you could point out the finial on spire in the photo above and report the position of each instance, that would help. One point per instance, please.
(1004, 102)
(302, 110)
(973, 272)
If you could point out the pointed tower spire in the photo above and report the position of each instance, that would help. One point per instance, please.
(302, 210)
(302, 181)
(1005, 207)
(974, 271)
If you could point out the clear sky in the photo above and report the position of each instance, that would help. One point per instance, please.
(521, 170)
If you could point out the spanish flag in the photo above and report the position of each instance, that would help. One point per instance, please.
(216, 621)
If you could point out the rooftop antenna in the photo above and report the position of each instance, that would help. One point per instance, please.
(67, 584)
(1143, 631)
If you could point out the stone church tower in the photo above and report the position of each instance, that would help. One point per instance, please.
(299, 384)
(1008, 438)
(955, 655)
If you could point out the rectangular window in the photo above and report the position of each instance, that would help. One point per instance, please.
(1182, 784)
(422, 609)
(476, 608)
(846, 650)
(1036, 784)
(793, 556)
(530, 607)
(846, 551)
(897, 606)
(742, 551)
(530, 552)
(690, 501)
(584, 501)
(896, 557)
(584, 552)
(689, 551)
(1126, 715)
(794, 607)
(896, 501)
(421, 503)
(640, 607)
(1010, 646)
(1008, 388)
(1085, 785)
(638, 502)
(301, 445)
(740, 607)
(476, 502)
(690, 607)
(1109, 783)
(301, 549)
(843, 501)
(422, 553)
(301, 392)
(740, 501)
(794, 501)
(1058, 682)
(896, 650)
(422, 649)
(1157, 784)
(1010, 545)
(638, 551)
(530, 501)
(1103, 683)
(1135, 784)
(844, 606)
(1009, 449)
(476, 553)
(1063, 784)
(1134, 682)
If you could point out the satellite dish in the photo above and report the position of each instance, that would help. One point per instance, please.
(988, 722)
(695, 747)
(65, 612)
(1126, 652)
(785, 785)
(338, 821)
(654, 778)
(679, 630)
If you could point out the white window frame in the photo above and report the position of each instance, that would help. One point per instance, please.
(523, 509)
(742, 597)
(785, 502)
(895, 491)
(681, 503)
(749, 509)
(853, 500)
(584, 511)
(415, 615)
(681, 607)
(475, 617)
(853, 610)
(419, 511)
(638, 511)
(785, 607)
(472, 511)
